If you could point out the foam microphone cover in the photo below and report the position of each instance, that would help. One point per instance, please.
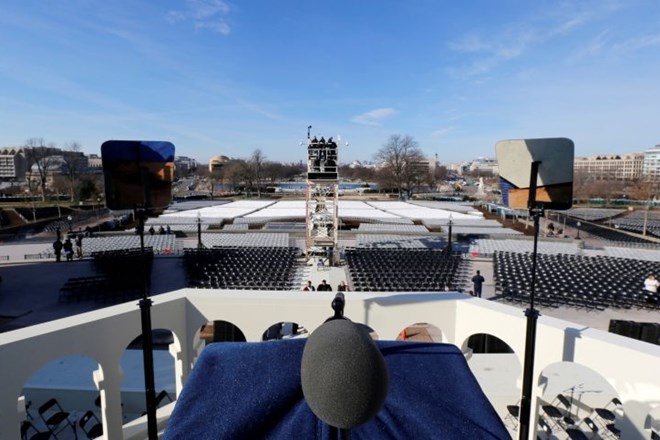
(343, 373)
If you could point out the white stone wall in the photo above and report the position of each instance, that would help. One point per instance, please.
(630, 367)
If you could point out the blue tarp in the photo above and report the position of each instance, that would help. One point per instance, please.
(253, 391)
(133, 151)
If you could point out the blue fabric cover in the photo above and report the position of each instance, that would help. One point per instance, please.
(253, 391)
(131, 151)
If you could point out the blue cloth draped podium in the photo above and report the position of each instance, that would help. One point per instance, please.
(253, 391)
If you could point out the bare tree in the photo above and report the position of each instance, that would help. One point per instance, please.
(403, 163)
(436, 174)
(257, 161)
(239, 172)
(39, 156)
(75, 162)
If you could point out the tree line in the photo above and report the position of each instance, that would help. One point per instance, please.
(402, 168)
(41, 157)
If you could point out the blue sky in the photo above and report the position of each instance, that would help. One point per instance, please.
(228, 77)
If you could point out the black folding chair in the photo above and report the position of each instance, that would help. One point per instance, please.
(29, 432)
(513, 414)
(91, 425)
(55, 418)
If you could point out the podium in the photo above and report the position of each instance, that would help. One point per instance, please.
(240, 390)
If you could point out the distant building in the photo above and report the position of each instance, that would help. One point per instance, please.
(358, 163)
(184, 164)
(13, 164)
(53, 166)
(611, 166)
(94, 161)
(216, 163)
(651, 166)
(483, 165)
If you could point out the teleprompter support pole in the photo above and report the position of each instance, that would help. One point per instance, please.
(536, 212)
(147, 341)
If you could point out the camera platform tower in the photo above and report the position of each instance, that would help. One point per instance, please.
(321, 198)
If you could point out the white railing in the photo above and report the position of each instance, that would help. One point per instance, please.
(629, 367)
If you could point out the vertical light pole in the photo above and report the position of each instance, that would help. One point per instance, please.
(70, 219)
(450, 224)
(578, 224)
(199, 231)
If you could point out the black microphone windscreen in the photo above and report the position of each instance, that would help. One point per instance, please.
(343, 373)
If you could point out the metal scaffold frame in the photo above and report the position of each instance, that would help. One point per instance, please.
(321, 197)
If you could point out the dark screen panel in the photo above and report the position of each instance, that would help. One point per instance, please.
(138, 174)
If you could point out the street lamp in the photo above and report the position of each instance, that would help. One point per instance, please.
(199, 231)
(70, 219)
(450, 224)
(578, 224)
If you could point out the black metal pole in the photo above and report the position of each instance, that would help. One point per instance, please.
(147, 341)
(450, 249)
(536, 211)
(199, 233)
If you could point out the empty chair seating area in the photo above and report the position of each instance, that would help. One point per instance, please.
(264, 268)
(158, 243)
(119, 277)
(593, 214)
(637, 225)
(592, 283)
(415, 270)
(248, 239)
(393, 241)
(487, 247)
(596, 231)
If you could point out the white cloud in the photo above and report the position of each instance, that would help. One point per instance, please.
(469, 43)
(374, 117)
(638, 43)
(220, 27)
(204, 14)
(442, 131)
(593, 47)
(515, 39)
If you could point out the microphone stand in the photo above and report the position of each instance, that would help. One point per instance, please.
(337, 305)
(147, 340)
(536, 211)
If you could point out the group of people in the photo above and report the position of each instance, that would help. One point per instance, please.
(550, 232)
(161, 230)
(325, 287)
(66, 247)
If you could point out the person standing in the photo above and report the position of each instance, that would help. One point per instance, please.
(57, 247)
(478, 282)
(68, 249)
(79, 252)
(651, 283)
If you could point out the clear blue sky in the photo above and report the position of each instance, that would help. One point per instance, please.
(227, 77)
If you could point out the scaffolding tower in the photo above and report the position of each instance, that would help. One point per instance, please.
(321, 230)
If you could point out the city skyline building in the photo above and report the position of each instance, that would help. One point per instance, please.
(611, 166)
